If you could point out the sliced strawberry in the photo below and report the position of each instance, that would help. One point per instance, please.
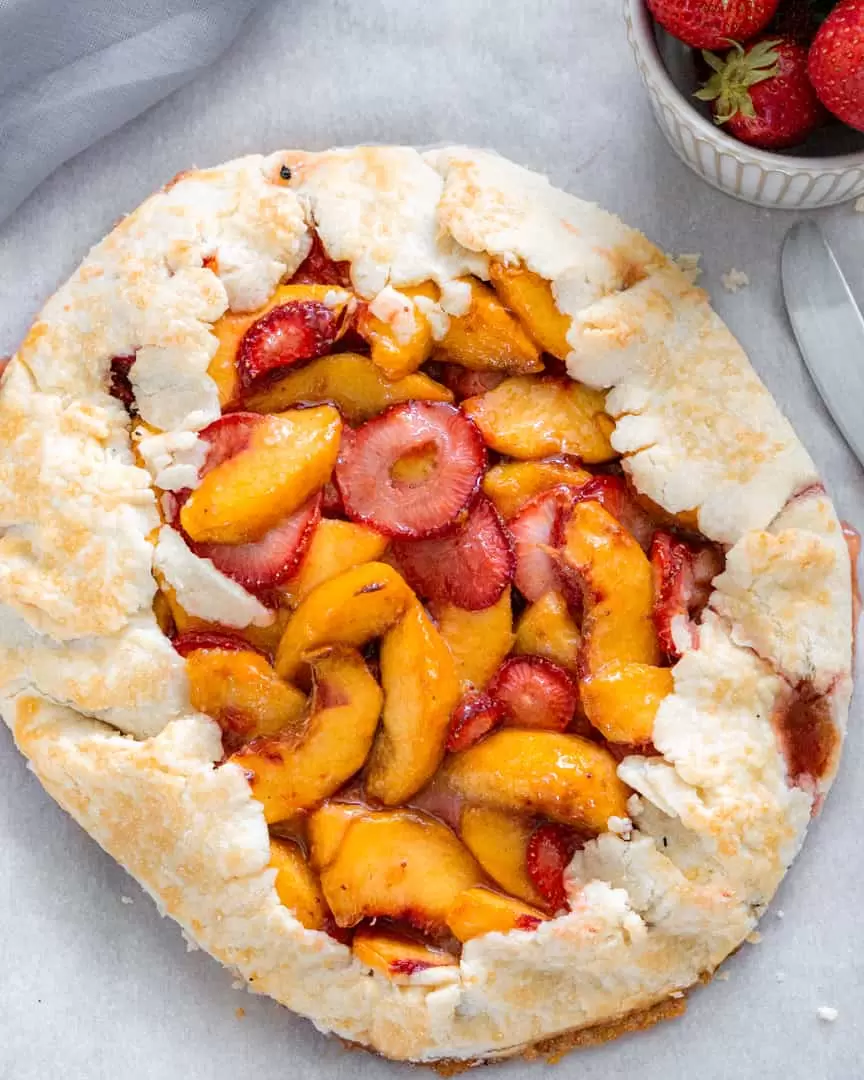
(470, 567)
(475, 716)
(319, 269)
(120, 385)
(535, 693)
(331, 501)
(536, 532)
(615, 495)
(286, 335)
(193, 640)
(465, 383)
(227, 437)
(411, 470)
(550, 850)
(683, 574)
(271, 559)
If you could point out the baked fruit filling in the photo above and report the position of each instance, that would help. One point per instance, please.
(472, 614)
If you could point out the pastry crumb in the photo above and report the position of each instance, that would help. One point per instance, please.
(780, 976)
(238, 984)
(780, 913)
(859, 205)
(733, 280)
(688, 264)
(240, 1012)
(827, 1013)
(126, 900)
(754, 937)
(723, 976)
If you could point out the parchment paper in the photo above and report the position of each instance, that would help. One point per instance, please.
(94, 987)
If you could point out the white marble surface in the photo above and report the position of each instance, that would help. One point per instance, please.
(94, 987)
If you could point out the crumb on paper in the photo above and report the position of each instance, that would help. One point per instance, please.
(238, 984)
(827, 1013)
(688, 264)
(780, 913)
(754, 937)
(723, 976)
(240, 1012)
(126, 900)
(780, 976)
(733, 280)
(859, 205)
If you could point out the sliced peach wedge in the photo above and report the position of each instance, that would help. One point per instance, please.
(488, 338)
(400, 864)
(400, 339)
(336, 546)
(531, 299)
(621, 700)
(353, 383)
(350, 609)
(480, 911)
(567, 778)
(512, 484)
(547, 629)
(296, 884)
(498, 840)
(538, 417)
(277, 463)
(396, 955)
(478, 640)
(296, 771)
(421, 689)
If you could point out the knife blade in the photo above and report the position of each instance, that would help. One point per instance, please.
(828, 327)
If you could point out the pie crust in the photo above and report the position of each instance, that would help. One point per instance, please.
(97, 698)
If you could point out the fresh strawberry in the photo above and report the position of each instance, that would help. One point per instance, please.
(535, 530)
(273, 558)
(550, 850)
(470, 567)
(711, 24)
(465, 383)
(319, 269)
(475, 716)
(535, 693)
(836, 63)
(193, 640)
(411, 470)
(286, 335)
(683, 574)
(614, 494)
(120, 385)
(761, 93)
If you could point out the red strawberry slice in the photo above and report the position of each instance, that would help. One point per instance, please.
(193, 640)
(615, 495)
(475, 716)
(465, 383)
(227, 437)
(536, 532)
(119, 383)
(411, 470)
(535, 693)
(319, 269)
(550, 850)
(470, 568)
(271, 559)
(682, 585)
(286, 335)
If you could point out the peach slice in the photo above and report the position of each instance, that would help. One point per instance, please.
(350, 609)
(530, 298)
(488, 338)
(512, 484)
(617, 586)
(498, 840)
(536, 417)
(421, 689)
(480, 911)
(401, 864)
(396, 955)
(242, 693)
(289, 456)
(547, 629)
(296, 885)
(300, 769)
(229, 331)
(395, 352)
(327, 828)
(621, 700)
(351, 382)
(478, 640)
(565, 777)
(336, 546)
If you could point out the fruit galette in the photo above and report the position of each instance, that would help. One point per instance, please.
(407, 578)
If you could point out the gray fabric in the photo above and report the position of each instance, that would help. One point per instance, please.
(72, 71)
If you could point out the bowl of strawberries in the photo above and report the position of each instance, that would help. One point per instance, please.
(762, 98)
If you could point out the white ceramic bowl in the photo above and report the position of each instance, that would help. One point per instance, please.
(822, 178)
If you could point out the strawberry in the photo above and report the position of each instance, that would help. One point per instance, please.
(331, 503)
(614, 494)
(286, 335)
(226, 437)
(761, 94)
(465, 383)
(411, 470)
(550, 850)
(319, 269)
(711, 24)
(273, 558)
(120, 385)
(836, 63)
(683, 574)
(470, 567)
(535, 693)
(475, 716)
(193, 640)
(535, 531)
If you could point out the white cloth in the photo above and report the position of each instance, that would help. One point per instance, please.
(72, 71)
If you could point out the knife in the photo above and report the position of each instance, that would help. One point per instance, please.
(828, 326)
